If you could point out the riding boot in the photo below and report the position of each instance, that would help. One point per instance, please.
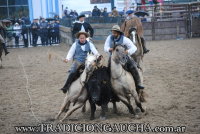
(68, 83)
(132, 68)
(5, 49)
(145, 50)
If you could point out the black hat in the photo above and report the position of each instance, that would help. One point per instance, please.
(80, 16)
(113, 8)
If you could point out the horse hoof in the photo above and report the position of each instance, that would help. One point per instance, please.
(102, 118)
(137, 116)
(61, 121)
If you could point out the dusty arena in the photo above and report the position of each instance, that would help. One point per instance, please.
(31, 78)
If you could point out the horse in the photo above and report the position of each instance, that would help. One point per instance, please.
(77, 94)
(122, 81)
(138, 57)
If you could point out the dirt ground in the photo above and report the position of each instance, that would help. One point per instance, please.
(171, 78)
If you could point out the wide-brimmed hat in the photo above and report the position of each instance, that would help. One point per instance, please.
(116, 28)
(82, 32)
(129, 12)
(81, 15)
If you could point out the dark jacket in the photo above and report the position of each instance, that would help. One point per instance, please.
(35, 27)
(87, 26)
(96, 12)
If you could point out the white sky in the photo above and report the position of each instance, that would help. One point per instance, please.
(82, 5)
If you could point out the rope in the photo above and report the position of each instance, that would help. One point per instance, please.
(27, 86)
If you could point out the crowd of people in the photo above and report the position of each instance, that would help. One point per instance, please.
(96, 12)
(46, 29)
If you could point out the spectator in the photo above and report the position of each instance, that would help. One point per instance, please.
(34, 30)
(104, 13)
(143, 5)
(44, 32)
(25, 33)
(134, 4)
(139, 3)
(17, 32)
(150, 2)
(75, 13)
(57, 34)
(66, 12)
(56, 17)
(114, 13)
(96, 12)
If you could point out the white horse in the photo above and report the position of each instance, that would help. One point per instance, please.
(77, 94)
(122, 81)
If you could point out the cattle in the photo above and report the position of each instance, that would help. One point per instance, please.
(100, 91)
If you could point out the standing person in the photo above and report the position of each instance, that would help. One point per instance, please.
(17, 32)
(50, 32)
(114, 13)
(57, 31)
(66, 12)
(25, 33)
(133, 21)
(104, 13)
(44, 32)
(75, 14)
(117, 38)
(81, 25)
(35, 31)
(96, 12)
(139, 3)
(78, 53)
(2, 41)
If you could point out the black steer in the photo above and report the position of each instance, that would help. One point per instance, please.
(100, 91)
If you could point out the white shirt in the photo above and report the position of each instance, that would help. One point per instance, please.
(72, 50)
(126, 42)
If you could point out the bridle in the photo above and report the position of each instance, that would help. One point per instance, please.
(119, 75)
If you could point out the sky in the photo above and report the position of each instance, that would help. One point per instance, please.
(83, 5)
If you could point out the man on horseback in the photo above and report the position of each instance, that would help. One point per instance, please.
(78, 53)
(118, 38)
(133, 21)
(2, 41)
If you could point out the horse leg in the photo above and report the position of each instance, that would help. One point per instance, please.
(137, 101)
(93, 109)
(126, 102)
(74, 108)
(64, 106)
(84, 108)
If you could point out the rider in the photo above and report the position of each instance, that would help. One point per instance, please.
(2, 41)
(117, 38)
(78, 53)
(135, 22)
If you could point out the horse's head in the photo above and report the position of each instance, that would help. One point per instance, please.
(132, 33)
(119, 55)
(91, 63)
